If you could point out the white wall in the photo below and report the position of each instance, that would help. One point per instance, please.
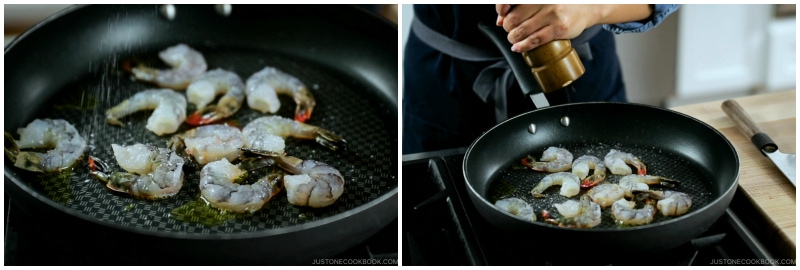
(648, 61)
(717, 53)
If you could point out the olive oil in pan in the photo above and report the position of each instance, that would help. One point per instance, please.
(199, 211)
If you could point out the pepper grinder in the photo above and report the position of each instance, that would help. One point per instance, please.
(555, 65)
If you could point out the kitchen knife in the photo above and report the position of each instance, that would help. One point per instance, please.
(785, 162)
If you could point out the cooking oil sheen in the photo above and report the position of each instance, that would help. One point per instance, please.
(199, 211)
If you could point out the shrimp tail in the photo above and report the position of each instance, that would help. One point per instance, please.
(531, 163)
(641, 169)
(669, 182)
(255, 163)
(290, 164)
(24, 160)
(176, 144)
(305, 104)
(546, 214)
(200, 117)
(98, 168)
(275, 181)
(213, 113)
(142, 71)
(260, 152)
(545, 166)
(302, 114)
(538, 166)
(112, 116)
(527, 161)
(331, 140)
(549, 219)
(13, 150)
(592, 180)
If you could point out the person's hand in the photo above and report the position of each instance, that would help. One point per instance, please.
(530, 26)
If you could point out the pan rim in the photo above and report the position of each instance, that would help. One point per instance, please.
(43, 23)
(473, 194)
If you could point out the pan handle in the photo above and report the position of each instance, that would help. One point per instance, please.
(515, 60)
(749, 127)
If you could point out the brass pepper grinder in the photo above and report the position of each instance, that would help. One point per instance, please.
(555, 65)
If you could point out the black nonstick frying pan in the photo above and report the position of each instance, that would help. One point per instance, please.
(73, 66)
(672, 144)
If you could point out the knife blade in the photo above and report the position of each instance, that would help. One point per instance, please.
(786, 163)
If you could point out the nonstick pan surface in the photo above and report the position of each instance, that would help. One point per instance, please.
(673, 145)
(72, 67)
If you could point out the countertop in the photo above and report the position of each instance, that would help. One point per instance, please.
(771, 194)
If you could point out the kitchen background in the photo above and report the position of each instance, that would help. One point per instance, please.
(705, 52)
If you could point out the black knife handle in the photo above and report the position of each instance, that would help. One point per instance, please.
(749, 127)
(521, 69)
(764, 142)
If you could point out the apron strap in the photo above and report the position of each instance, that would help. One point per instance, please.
(450, 46)
(493, 81)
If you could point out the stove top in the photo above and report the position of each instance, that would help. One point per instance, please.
(32, 240)
(442, 227)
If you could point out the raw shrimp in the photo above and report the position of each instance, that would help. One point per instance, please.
(153, 172)
(169, 110)
(264, 86)
(66, 143)
(635, 182)
(674, 203)
(581, 167)
(606, 194)
(617, 161)
(625, 213)
(553, 159)
(671, 203)
(577, 214)
(570, 184)
(218, 188)
(209, 143)
(205, 88)
(516, 207)
(187, 64)
(267, 134)
(313, 183)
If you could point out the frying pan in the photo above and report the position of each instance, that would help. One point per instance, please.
(72, 66)
(672, 144)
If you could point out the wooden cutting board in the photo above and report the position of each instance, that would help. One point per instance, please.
(763, 184)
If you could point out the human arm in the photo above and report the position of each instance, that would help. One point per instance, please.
(529, 26)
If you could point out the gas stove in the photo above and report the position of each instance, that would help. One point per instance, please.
(441, 226)
(36, 240)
